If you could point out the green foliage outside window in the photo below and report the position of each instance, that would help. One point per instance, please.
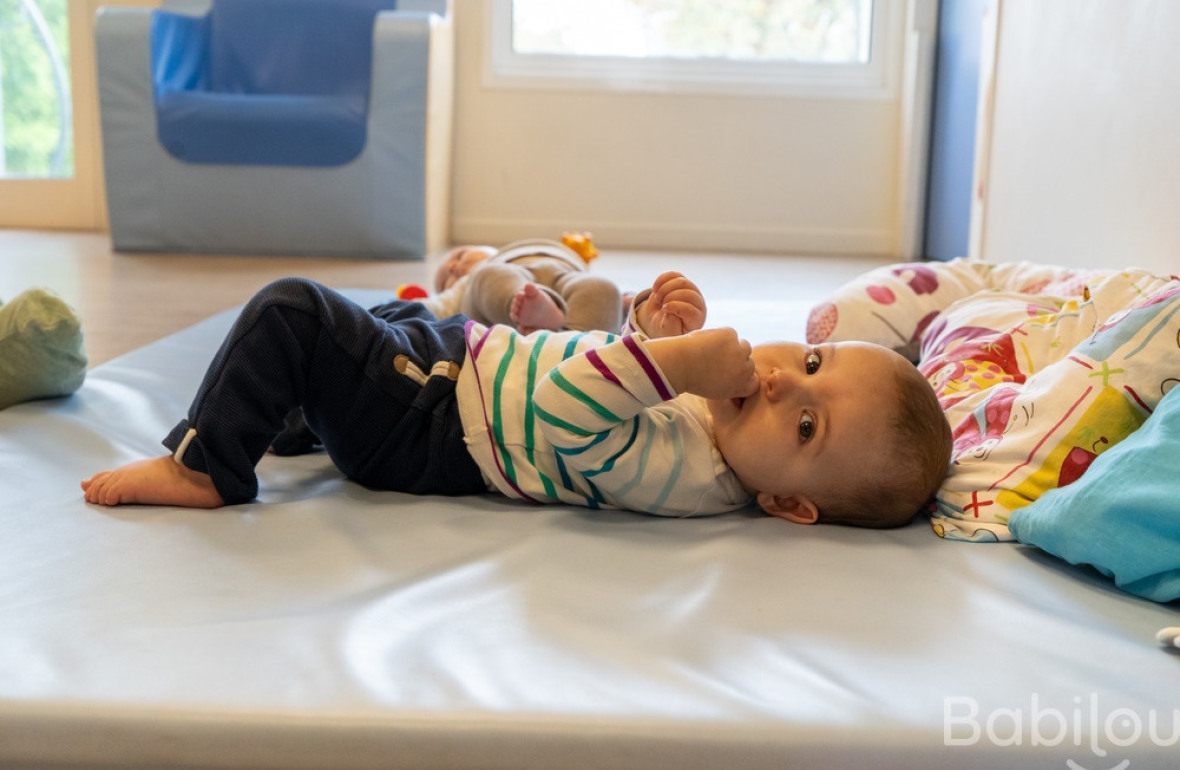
(813, 31)
(35, 131)
(800, 30)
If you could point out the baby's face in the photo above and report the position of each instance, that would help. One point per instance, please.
(819, 418)
(458, 262)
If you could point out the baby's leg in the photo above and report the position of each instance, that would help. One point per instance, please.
(592, 302)
(296, 438)
(295, 343)
(490, 292)
(533, 308)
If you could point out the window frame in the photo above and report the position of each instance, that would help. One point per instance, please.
(505, 68)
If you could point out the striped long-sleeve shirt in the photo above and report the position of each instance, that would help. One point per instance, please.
(588, 418)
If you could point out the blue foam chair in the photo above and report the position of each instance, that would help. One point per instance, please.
(277, 126)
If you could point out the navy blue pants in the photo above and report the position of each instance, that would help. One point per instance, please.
(378, 388)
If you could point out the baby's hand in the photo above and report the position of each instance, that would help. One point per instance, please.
(675, 306)
(713, 363)
(722, 364)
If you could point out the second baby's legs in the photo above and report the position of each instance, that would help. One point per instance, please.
(591, 302)
(508, 293)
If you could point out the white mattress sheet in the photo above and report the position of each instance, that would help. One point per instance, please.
(326, 625)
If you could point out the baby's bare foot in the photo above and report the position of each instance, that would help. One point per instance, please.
(533, 309)
(159, 481)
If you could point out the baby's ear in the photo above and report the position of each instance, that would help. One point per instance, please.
(795, 508)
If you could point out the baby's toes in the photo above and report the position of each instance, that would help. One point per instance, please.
(514, 307)
(93, 486)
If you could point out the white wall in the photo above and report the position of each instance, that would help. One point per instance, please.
(667, 170)
(1083, 166)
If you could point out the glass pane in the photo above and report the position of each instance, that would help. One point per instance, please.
(831, 31)
(36, 130)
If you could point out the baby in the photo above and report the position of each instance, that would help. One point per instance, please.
(670, 418)
(532, 284)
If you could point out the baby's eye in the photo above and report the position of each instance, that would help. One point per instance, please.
(811, 362)
(806, 427)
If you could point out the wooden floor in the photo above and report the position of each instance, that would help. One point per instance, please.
(128, 300)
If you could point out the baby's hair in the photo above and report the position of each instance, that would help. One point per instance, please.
(912, 468)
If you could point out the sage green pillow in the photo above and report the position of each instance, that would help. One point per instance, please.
(41, 353)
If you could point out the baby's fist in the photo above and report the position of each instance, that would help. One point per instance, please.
(675, 306)
(722, 366)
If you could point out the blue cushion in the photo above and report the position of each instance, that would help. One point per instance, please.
(265, 82)
(1123, 515)
(206, 127)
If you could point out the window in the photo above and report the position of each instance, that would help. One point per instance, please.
(808, 47)
(49, 145)
(35, 119)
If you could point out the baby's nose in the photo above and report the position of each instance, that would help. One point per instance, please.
(775, 384)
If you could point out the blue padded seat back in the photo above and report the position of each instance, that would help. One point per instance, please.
(265, 82)
(303, 47)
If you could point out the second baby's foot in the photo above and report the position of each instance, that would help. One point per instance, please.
(533, 309)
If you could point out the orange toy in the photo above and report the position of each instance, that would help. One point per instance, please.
(582, 243)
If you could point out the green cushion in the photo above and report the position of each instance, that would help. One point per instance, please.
(41, 353)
